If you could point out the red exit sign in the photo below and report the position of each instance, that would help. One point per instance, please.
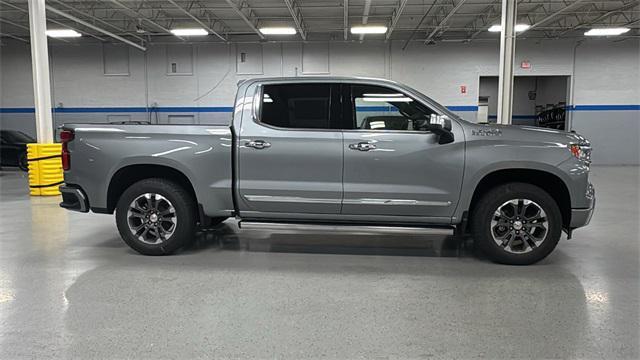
(525, 64)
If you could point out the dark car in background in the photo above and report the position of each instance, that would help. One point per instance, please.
(13, 148)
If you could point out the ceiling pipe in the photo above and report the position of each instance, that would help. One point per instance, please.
(345, 5)
(365, 15)
(91, 26)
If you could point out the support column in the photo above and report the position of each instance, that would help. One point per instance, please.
(40, 71)
(507, 56)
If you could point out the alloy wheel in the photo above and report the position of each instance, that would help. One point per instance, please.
(519, 226)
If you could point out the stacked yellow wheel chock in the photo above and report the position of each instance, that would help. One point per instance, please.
(45, 169)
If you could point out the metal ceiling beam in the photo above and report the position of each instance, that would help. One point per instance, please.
(345, 6)
(296, 14)
(106, 23)
(51, 20)
(245, 18)
(557, 13)
(141, 17)
(20, 26)
(601, 17)
(444, 20)
(14, 37)
(205, 26)
(396, 16)
(91, 26)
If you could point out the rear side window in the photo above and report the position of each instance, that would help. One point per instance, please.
(297, 106)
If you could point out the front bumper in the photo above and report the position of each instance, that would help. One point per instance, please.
(73, 198)
(582, 217)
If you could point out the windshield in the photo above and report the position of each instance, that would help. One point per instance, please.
(16, 137)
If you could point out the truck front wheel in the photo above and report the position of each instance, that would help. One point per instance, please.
(516, 224)
(156, 217)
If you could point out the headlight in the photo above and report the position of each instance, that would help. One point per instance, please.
(582, 151)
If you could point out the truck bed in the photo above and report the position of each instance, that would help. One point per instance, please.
(102, 153)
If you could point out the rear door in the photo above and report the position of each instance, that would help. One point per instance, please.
(393, 165)
(290, 151)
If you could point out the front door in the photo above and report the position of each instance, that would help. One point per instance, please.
(290, 152)
(393, 165)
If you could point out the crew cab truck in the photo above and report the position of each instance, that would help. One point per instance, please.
(333, 150)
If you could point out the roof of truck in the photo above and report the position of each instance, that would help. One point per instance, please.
(305, 78)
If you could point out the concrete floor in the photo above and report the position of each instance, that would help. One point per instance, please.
(69, 287)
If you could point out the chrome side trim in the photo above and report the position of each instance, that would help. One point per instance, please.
(290, 199)
(395, 202)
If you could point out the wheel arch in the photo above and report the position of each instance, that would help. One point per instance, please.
(549, 182)
(130, 174)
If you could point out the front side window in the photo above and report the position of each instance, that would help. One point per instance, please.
(381, 108)
(297, 106)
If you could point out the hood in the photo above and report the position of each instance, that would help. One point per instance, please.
(524, 133)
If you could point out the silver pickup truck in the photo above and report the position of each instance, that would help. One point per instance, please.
(333, 150)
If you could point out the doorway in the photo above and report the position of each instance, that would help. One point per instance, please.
(537, 100)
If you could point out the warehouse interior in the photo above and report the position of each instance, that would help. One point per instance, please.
(70, 288)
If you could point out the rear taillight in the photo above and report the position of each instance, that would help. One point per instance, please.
(65, 137)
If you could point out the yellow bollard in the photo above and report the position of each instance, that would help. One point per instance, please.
(45, 169)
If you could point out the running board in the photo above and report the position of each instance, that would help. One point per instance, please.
(256, 223)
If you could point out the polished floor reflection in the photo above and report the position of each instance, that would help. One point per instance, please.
(69, 288)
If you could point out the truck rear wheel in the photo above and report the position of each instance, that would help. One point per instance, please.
(156, 217)
(516, 224)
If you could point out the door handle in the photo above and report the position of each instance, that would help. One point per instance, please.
(257, 144)
(362, 146)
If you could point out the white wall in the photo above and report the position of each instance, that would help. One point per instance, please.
(606, 72)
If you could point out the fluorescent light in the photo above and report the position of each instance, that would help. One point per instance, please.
(387, 99)
(368, 29)
(63, 33)
(278, 31)
(606, 31)
(517, 28)
(189, 32)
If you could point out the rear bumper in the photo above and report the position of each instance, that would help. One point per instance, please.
(73, 198)
(582, 217)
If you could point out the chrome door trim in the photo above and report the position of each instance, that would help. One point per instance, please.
(290, 199)
(367, 201)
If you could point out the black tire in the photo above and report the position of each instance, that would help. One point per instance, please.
(185, 216)
(23, 162)
(484, 212)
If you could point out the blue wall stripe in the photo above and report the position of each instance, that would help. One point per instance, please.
(604, 108)
(462, 108)
(228, 109)
(17, 110)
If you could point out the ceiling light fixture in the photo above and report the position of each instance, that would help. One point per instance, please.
(517, 28)
(63, 33)
(189, 32)
(365, 29)
(278, 31)
(606, 31)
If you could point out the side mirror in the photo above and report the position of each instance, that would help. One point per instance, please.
(441, 126)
